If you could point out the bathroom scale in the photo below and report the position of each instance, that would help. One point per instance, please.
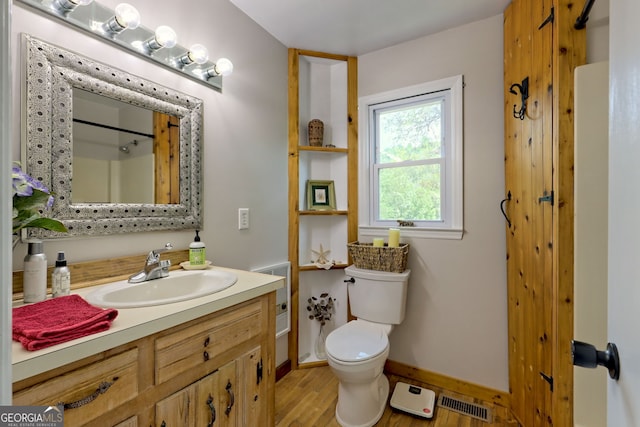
(413, 399)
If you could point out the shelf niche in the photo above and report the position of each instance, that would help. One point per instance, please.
(321, 86)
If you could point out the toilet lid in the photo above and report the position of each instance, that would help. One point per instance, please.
(356, 342)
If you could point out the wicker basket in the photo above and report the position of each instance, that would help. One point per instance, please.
(384, 258)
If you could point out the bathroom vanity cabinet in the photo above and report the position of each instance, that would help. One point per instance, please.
(321, 86)
(214, 370)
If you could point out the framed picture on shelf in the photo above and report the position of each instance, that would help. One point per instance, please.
(321, 195)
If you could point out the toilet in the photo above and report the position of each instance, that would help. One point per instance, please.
(356, 351)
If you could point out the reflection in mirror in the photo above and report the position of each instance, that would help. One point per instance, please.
(69, 149)
(114, 145)
(112, 148)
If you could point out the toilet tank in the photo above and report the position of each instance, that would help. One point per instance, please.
(377, 296)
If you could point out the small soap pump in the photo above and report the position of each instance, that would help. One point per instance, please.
(197, 251)
(61, 277)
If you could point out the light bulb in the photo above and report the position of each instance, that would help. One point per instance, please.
(165, 36)
(127, 16)
(198, 54)
(224, 67)
(67, 6)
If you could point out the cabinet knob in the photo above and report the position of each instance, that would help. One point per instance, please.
(205, 355)
(206, 342)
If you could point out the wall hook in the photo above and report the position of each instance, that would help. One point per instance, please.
(524, 94)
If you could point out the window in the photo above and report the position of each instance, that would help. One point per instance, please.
(411, 159)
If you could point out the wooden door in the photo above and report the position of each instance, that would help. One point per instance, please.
(541, 49)
(166, 151)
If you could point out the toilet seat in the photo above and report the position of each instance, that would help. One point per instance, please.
(356, 342)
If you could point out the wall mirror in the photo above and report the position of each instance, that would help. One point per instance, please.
(120, 153)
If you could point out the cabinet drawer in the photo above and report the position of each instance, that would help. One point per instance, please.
(91, 390)
(202, 341)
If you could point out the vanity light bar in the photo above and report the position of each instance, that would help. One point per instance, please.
(122, 27)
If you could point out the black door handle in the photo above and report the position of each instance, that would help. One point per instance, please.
(350, 280)
(586, 356)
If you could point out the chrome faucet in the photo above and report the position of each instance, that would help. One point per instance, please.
(154, 267)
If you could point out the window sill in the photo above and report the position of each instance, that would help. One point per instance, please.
(413, 232)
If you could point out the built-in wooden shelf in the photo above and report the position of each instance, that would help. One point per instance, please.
(323, 212)
(312, 267)
(335, 74)
(322, 149)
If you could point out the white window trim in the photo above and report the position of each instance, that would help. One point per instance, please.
(455, 231)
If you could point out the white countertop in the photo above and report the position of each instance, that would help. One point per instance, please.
(135, 323)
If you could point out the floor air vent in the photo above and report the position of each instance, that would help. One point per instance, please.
(479, 412)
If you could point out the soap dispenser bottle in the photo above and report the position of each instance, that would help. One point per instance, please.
(61, 277)
(197, 251)
(35, 273)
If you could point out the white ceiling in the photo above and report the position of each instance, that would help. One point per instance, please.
(356, 27)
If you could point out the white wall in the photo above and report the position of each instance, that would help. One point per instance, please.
(590, 236)
(590, 277)
(456, 322)
(245, 130)
(598, 32)
(623, 228)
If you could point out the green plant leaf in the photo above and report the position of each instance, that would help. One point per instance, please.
(47, 224)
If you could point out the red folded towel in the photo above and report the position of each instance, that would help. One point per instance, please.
(58, 320)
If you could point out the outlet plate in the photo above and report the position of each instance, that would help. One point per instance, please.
(243, 218)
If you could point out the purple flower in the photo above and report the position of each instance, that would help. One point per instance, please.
(23, 184)
(21, 180)
(30, 199)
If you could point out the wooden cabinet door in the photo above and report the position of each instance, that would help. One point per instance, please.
(217, 402)
(212, 401)
(208, 402)
(254, 388)
(175, 410)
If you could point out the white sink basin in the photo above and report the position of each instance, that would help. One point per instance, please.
(179, 286)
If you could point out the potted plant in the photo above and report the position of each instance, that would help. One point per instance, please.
(321, 309)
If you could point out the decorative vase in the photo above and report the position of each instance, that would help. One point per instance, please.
(320, 351)
(316, 133)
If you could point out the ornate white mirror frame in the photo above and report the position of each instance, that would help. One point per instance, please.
(52, 74)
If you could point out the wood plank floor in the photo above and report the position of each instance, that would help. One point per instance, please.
(307, 397)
